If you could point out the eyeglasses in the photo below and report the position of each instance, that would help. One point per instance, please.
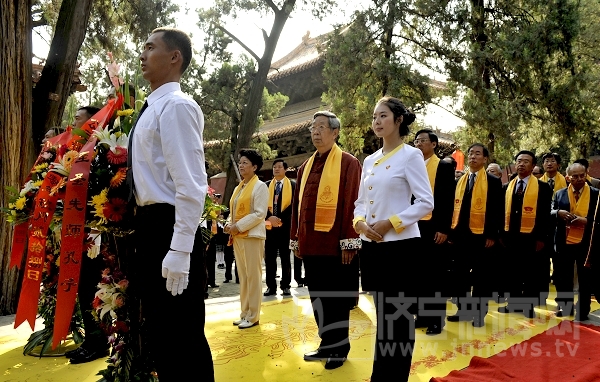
(320, 129)
(422, 140)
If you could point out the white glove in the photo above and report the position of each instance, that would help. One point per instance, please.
(176, 269)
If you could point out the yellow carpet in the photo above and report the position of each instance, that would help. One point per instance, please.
(273, 351)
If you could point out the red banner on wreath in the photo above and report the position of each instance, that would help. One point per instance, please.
(72, 237)
(45, 204)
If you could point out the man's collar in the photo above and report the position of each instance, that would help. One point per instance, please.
(162, 90)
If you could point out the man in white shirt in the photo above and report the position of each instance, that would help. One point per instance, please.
(169, 179)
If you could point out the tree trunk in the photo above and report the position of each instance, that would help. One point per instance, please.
(16, 145)
(249, 118)
(51, 93)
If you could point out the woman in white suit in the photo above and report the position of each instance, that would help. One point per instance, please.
(245, 224)
(386, 220)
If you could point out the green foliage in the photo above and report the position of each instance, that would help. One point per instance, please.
(364, 62)
(223, 102)
(524, 70)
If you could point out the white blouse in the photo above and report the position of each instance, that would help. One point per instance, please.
(387, 184)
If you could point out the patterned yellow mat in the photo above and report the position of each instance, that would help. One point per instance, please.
(273, 351)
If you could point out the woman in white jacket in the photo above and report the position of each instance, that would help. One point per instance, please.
(386, 220)
(245, 224)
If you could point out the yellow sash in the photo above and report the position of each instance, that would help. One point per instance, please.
(579, 208)
(329, 186)
(559, 181)
(287, 194)
(529, 209)
(432, 166)
(243, 203)
(478, 201)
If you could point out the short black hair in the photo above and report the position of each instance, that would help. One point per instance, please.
(253, 156)
(583, 162)
(432, 136)
(399, 110)
(551, 155)
(452, 161)
(177, 40)
(90, 110)
(280, 161)
(527, 152)
(486, 153)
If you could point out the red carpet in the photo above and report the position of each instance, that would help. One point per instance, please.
(567, 352)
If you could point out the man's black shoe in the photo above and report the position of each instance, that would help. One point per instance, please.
(504, 309)
(270, 292)
(529, 313)
(286, 292)
(316, 355)
(213, 285)
(563, 313)
(334, 362)
(478, 322)
(432, 330)
(74, 352)
(459, 317)
(88, 355)
(225, 281)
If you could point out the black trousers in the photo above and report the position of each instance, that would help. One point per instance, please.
(211, 259)
(333, 292)
(470, 274)
(274, 246)
(524, 270)
(396, 290)
(589, 281)
(90, 276)
(229, 259)
(173, 326)
(298, 271)
(434, 293)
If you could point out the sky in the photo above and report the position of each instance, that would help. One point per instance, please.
(248, 29)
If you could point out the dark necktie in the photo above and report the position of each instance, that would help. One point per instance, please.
(551, 183)
(276, 198)
(576, 194)
(521, 188)
(471, 183)
(129, 178)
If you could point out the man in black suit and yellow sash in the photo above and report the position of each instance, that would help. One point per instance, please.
(434, 229)
(476, 222)
(279, 216)
(574, 208)
(526, 229)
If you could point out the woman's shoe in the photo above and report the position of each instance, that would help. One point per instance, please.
(247, 324)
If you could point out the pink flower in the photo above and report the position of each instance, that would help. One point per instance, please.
(123, 284)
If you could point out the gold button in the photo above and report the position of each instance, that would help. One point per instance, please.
(373, 216)
(372, 174)
(371, 202)
(370, 187)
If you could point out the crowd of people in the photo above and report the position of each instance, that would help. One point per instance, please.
(403, 205)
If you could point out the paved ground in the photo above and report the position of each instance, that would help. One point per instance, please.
(232, 289)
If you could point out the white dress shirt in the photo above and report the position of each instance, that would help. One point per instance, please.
(168, 160)
(386, 189)
(525, 181)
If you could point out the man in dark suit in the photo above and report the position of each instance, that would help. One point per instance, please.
(434, 230)
(594, 182)
(476, 222)
(526, 229)
(574, 208)
(279, 216)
